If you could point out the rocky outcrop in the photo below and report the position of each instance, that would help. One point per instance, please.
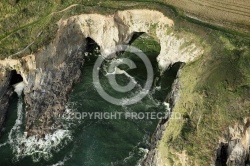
(7, 66)
(109, 31)
(50, 74)
(4, 104)
(234, 148)
(5, 93)
(152, 158)
(57, 69)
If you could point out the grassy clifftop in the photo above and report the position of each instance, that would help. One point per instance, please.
(214, 91)
(26, 26)
(214, 94)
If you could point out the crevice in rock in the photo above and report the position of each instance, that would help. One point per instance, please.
(92, 51)
(234, 149)
(135, 36)
(170, 76)
(222, 155)
(15, 78)
(7, 91)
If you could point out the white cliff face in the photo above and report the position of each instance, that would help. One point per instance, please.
(112, 30)
(100, 28)
(109, 31)
(42, 72)
(172, 51)
(23, 65)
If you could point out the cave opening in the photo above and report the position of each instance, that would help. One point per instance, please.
(222, 155)
(92, 51)
(91, 45)
(15, 78)
(135, 36)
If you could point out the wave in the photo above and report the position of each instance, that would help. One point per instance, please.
(19, 88)
(145, 152)
(3, 144)
(36, 148)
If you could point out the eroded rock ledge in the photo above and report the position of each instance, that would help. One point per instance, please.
(234, 147)
(5, 94)
(50, 74)
(152, 158)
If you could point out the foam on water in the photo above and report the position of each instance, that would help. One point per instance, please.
(69, 118)
(145, 152)
(36, 148)
(39, 148)
(62, 162)
(3, 144)
(136, 149)
(19, 88)
(167, 106)
(14, 131)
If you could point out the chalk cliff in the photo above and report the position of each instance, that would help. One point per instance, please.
(50, 74)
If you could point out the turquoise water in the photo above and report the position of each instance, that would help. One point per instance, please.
(104, 142)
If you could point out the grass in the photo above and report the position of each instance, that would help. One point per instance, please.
(214, 91)
(147, 43)
(34, 23)
(214, 95)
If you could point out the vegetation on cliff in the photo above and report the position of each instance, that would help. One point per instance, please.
(26, 26)
(214, 95)
(214, 91)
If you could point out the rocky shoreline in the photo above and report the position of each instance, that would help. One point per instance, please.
(50, 74)
(58, 69)
(152, 156)
(6, 92)
(4, 104)
(234, 146)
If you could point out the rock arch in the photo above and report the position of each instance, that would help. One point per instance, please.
(109, 31)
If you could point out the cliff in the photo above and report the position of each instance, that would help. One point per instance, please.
(213, 92)
(234, 146)
(50, 74)
(5, 94)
